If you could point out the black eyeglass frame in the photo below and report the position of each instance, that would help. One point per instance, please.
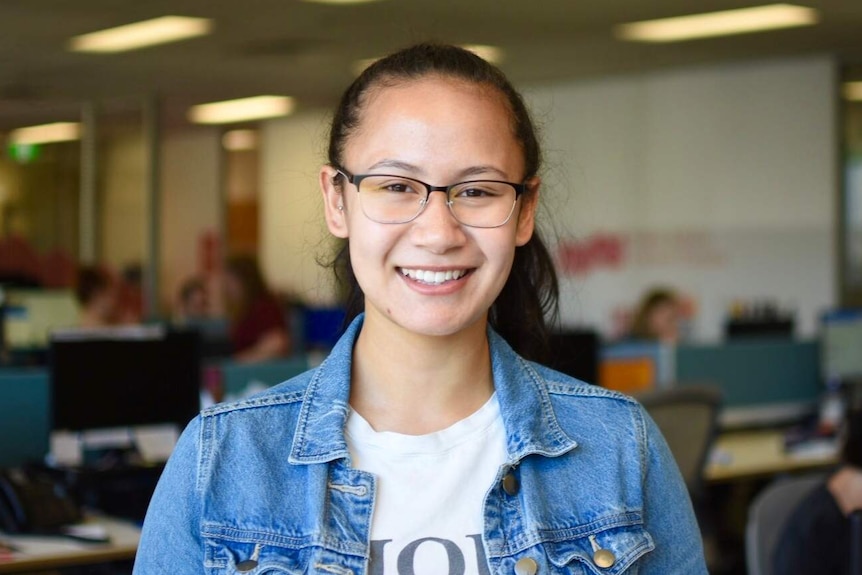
(356, 180)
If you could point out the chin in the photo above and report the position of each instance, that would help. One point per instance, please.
(434, 323)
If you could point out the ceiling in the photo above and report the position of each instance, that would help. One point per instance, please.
(308, 50)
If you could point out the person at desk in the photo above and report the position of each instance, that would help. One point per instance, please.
(816, 540)
(658, 317)
(258, 327)
(97, 295)
(425, 438)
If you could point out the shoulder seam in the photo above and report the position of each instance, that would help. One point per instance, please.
(257, 402)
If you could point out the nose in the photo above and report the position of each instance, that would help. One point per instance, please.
(436, 229)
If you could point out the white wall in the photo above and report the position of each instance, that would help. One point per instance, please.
(123, 209)
(191, 202)
(292, 230)
(739, 159)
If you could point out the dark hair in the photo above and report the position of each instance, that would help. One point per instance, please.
(190, 287)
(89, 282)
(653, 299)
(247, 271)
(531, 292)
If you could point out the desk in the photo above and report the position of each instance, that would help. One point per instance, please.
(748, 454)
(35, 553)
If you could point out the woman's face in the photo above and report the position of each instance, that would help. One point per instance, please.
(440, 131)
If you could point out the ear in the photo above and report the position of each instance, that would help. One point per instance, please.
(527, 214)
(334, 207)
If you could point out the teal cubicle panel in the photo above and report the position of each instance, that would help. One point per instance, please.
(242, 379)
(755, 373)
(24, 416)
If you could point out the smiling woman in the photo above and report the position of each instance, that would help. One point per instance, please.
(426, 443)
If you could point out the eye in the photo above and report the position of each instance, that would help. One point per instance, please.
(397, 187)
(478, 190)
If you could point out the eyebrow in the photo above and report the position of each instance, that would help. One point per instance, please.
(413, 169)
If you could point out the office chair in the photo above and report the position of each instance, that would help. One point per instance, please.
(767, 516)
(688, 419)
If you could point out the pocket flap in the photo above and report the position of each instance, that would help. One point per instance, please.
(625, 543)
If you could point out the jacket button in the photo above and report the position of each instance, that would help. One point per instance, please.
(246, 565)
(526, 566)
(604, 558)
(510, 484)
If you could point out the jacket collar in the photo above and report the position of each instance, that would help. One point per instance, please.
(528, 417)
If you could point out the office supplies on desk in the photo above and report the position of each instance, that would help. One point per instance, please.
(33, 502)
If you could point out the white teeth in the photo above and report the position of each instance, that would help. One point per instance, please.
(433, 277)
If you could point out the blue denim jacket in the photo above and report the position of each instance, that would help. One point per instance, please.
(265, 485)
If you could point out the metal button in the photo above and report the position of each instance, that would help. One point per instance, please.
(604, 558)
(510, 484)
(246, 565)
(526, 566)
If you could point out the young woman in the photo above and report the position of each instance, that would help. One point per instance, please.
(425, 444)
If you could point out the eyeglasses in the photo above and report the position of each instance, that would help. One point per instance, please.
(389, 199)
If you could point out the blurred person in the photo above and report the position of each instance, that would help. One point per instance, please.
(193, 300)
(428, 441)
(258, 327)
(816, 538)
(97, 295)
(131, 294)
(658, 317)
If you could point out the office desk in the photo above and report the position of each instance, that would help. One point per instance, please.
(758, 453)
(35, 553)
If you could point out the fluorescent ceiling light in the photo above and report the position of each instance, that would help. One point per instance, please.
(142, 34)
(339, 2)
(724, 23)
(492, 54)
(239, 140)
(242, 110)
(853, 91)
(46, 134)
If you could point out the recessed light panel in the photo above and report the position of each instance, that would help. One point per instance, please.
(724, 23)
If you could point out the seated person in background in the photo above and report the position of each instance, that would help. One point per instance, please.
(258, 326)
(816, 538)
(658, 317)
(193, 301)
(96, 292)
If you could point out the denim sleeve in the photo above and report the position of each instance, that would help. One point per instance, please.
(668, 514)
(171, 540)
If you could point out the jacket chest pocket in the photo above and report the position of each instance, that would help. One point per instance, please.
(242, 558)
(612, 551)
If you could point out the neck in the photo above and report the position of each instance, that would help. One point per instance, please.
(846, 487)
(417, 384)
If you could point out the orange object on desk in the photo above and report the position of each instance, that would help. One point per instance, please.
(628, 375)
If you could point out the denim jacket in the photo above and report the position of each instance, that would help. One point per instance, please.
(265, 485)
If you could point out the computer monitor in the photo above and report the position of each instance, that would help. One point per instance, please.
(124, 378)
(575, 353)
(30, 315)
(841, 345)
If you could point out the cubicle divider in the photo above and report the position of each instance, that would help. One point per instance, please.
(25, 412)
(763, 381)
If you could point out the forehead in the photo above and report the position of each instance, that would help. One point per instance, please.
(435, 118)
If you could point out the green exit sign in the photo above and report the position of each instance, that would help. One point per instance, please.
(24, 153)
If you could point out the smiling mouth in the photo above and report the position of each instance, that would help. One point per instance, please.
(434, 277)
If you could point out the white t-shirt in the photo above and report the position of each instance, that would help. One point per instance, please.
(430, 492)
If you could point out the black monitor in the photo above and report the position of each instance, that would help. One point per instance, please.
(576, 353)
(124, 378)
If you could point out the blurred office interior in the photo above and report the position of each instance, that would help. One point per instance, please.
(722, 164)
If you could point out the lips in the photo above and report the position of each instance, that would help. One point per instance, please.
(434, 277)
